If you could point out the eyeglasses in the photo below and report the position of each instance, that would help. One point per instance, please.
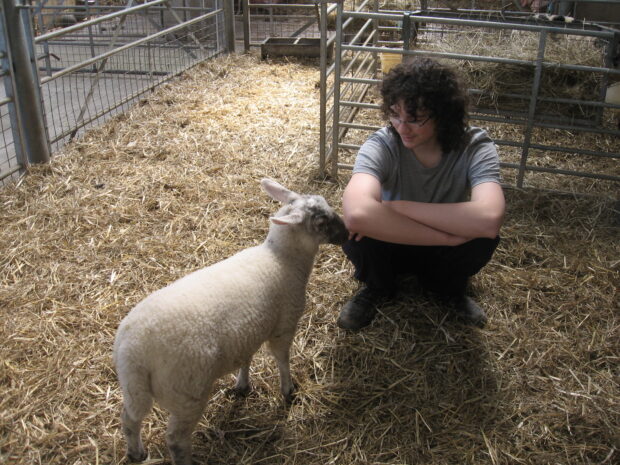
(411, 123)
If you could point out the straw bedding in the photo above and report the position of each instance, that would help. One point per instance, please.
(173, 186)
(497, 80)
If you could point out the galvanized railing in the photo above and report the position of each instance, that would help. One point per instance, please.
(23, 129)
(261, 21)
(78, 76)
(356, 71)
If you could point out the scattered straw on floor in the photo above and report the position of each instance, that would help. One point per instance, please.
(173, 186)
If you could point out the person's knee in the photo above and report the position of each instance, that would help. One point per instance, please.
(484, 250)
(466, 259)
(479, 255)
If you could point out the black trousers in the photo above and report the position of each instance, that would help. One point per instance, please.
(443, 270)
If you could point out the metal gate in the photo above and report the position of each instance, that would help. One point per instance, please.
(263, 19)
(90, 60)
(557, 142)
(14, 132)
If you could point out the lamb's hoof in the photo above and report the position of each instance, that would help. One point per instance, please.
(291, 396)
(137, 457)
(181, 456)
(239, 391)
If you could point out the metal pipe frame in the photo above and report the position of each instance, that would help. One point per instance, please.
(27, 95)
(336, 104)
(128, 46)
(322, 85)
(585, 29)
(529, 119)
(247, 18)
(20, 157)
(100, 19)
(24, 122)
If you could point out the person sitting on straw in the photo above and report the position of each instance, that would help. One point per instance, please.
(425, 197)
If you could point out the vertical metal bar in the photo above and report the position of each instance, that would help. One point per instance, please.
(46, 57)
(527, 139)
(26, 83)
(150, 57)
(219, 25)
(229, 25)
(322, 85)
(336, 109)
(38, 12)
(91, 39)
(375, 39)
(272, 30)
(610, 55)
(406, 31)
(9, 86)
(246, 26)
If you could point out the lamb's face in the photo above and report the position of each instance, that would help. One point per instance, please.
(310, 213)
(322, 220)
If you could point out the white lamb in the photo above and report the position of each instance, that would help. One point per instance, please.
(173, 345)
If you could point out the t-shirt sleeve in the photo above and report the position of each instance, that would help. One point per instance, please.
(484, 165)
(373, 157)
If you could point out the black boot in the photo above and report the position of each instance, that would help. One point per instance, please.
(361, 309)
(467, 309)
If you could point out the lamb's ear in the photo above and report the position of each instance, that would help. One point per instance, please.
(278, 192)
(292, 218)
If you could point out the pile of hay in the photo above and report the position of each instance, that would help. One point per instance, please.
(173, 186)
(497, 80)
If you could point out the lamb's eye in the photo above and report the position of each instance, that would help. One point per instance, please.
(320, 219)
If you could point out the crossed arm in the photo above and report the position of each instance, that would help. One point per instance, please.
(419, 223)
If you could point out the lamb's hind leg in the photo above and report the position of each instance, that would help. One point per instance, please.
(179, 434)
(280, 349)
(132, 415)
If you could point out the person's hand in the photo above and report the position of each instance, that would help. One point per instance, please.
(355, 236)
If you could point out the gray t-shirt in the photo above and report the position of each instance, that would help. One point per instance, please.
(403, 177)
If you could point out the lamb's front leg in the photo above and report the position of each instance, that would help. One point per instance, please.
(280, 349)
(242, 386)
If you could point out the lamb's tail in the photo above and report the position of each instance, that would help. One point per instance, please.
(137, 403)
(135, 382)
(136, 386)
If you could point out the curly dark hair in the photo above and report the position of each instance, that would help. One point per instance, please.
(425, 84)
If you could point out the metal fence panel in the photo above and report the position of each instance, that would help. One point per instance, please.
(95, 71)
(25, 109)
(275, 19)
(96, 58)
(10, 143)
(532, 122)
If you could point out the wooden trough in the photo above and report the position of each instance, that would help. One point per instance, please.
(309, 47)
